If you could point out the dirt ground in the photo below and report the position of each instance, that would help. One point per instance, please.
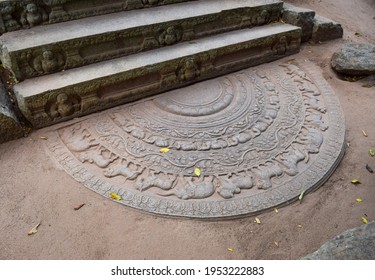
(33, 189)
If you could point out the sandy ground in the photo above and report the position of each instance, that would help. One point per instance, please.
(33, 189)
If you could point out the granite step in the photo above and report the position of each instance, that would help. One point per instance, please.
(76, 92)
(28, 14)
(51, 48)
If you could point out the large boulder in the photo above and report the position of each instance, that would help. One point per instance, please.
(354, 60)
(353, 244)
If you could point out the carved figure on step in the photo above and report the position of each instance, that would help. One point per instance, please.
(170, 36)
(281, 47)
(150, 2)
(192, 190)
(189, 71)
(33, 15)
(48, 62)
(64, 106)
(7, 9)
(230, 187)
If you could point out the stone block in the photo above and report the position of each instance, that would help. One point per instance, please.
(326, 29)
(301, 17)
(10, 128)
(46, 49)
(76, 92)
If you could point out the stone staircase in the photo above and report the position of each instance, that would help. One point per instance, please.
(70, 58)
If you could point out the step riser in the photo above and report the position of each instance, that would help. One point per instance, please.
(41, 109)
(27, 63)
(16, 16)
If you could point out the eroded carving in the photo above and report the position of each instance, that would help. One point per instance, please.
(64, 105)
(33, 15)
(229, 187)
(189, 70)
(48, 61)
(7, 9)
(170, 36)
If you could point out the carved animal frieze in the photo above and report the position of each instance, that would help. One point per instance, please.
(229, 187)
(265, 174)
(96, 157)
(121, 170)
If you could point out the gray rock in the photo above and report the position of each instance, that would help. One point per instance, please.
(10, 127)
(354, 244)
(300, 17)
(326, 29)
(354, 59)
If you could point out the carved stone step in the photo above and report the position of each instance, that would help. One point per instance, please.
(61, 96)
(46, 49)
(27, 14)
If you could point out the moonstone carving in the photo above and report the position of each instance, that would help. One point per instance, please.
(258, 138)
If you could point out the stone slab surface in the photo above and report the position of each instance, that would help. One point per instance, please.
(20, 14)
(231, 146)
(326, 29)
(47, 49)
(354, 59)
(301, 17)
(10, 128)
(65, 95)
(354, 244)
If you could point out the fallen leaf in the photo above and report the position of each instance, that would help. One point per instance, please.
(364, 133)
(276, 211)
(277, 244)
(301, 196)
(164, 150)
(79, 206)
(371, 152)
(358, 34)
(367, 86)
(369, 169)
(364, 220)
(359, 200)
(34, 230)
(115, 196)
(355, 181)
(43, 138)
(230, 249)
(197, 171)
(257, 220)
(299, 226)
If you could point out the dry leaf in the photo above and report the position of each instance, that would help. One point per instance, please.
(301, 196)
(276, 211)
(364, 133)
(364, 220)
(43, 138)
(257, 220)
(277, 244)
(371, 152)
(79, 206)
(197, 172)
(369, 169)
(164, 150)
(358, 34)
(115, 196)
(355, 181)
(359, 200)
(230, 249)
(34, 229)
(299, 226)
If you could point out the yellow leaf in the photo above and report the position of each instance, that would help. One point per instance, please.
(43, 138)
(34, 230)
(371, 152)
(299, 226)
(355, 181)
(197, 172)
(301, 196)
(230, 249)
(257, 220)
(277, 244)
(364, 220)
(276, 211)
(358, 34)
(164, 150)
(359, 200)
(115, 196)
(364, 133)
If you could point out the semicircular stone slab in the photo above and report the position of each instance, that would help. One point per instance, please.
(236, 145)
